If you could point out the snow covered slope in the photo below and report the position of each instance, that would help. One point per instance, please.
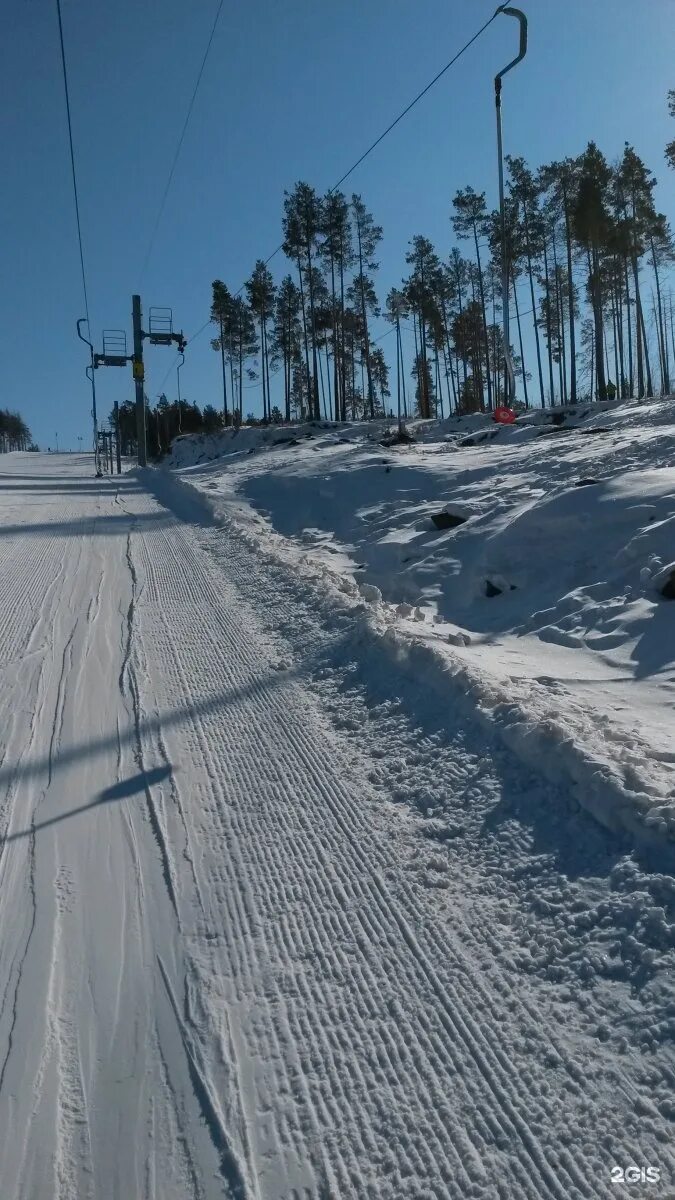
(548, 591)
(282, 917)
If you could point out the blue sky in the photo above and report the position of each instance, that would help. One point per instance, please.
(293, 90)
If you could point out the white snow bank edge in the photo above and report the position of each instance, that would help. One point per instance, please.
(545, 739)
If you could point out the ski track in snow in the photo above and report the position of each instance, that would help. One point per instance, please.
(272, 926)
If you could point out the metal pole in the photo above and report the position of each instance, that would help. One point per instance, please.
(398, 372)
(116, 410)
(82, 321)
(509, 378)
(139, 379)
(180, 415)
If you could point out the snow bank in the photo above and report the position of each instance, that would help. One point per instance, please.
(543, 607)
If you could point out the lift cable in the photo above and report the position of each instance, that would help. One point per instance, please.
(365, 155)
(181, 139)
(72, 161)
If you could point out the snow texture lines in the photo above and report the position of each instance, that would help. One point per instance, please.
(274, 923)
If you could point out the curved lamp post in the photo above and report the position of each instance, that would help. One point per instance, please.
(89, 371)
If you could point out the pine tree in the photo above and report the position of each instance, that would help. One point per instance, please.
(337, 253)
(14, 432)
(425, 396)
(221, 314)
(670, 148)
(471, 221)
(243, 346)
(287, 334)
(380, 376)
(260, 291)
(468, 336)
(592, 224)
(420, 294)
(367, 236)
(302, 224)
(525, 191)
(396, 310)
(562, 180)
(633, 193)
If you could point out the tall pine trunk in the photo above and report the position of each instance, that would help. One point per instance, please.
(461, 312)
(336, 354)
(343, 359)
(315, 388)
(530, 272)
(596, 300)
(222, 363)
(562, 370)
(520, 339)
(615, 336)
(663, 349)
(364, 318)
(629, 330)
(304, 335)
(481, 291)
(570, 298)
(648, 369)
(549, 332)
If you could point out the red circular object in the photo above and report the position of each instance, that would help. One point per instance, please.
(504, 416)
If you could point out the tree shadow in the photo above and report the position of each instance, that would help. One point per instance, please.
(91, 526)
(118, 791)
(170, 718)
(87, 487)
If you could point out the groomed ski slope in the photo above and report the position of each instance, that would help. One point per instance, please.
(280, 918)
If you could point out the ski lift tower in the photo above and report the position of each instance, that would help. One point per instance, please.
(160, 332)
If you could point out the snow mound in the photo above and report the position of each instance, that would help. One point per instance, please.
(545, 606)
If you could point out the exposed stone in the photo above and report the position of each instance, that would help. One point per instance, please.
(446, 520)
(668, 588)
(491, 589)
(398, 438)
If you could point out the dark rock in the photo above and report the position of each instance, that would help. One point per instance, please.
(558, 418)
(491, 589)
(668, 589)
(584, 482)
(446, 520)
(399, 438)
(286, 442)
(594, 429)
(476, 440)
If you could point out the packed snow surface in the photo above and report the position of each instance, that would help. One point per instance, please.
(299, 896)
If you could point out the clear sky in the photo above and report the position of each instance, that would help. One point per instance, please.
(292, 90)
